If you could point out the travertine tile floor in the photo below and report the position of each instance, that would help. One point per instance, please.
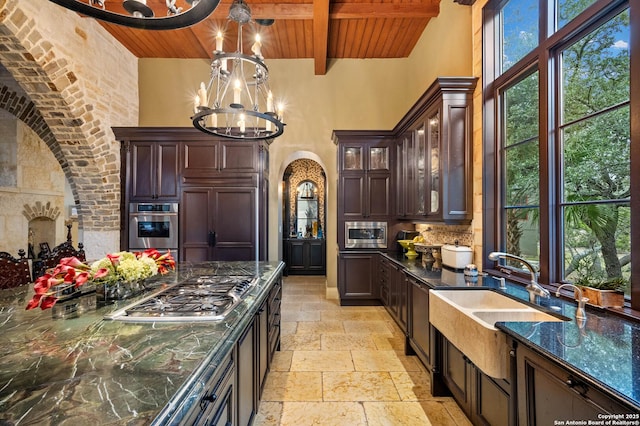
(345, 366)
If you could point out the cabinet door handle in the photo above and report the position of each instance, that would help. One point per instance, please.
(211, 239)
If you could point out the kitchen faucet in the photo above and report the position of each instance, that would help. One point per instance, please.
(580, 313)
(533, 287)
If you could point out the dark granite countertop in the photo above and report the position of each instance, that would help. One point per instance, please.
(604, 350)
(57, 366)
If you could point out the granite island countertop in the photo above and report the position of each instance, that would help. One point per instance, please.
(604, 350)
(67, 365)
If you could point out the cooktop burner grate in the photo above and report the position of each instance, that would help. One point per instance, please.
(205, 298)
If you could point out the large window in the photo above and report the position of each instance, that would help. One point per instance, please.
(559, 112)
(521, 167)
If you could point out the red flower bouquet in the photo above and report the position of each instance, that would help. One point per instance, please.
(72, 273)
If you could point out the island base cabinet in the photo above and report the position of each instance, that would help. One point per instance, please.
(255, 350)
(247, 379)
(274, 318)
(548, 393)
(218, 404)
(262, 320)
(485, 401)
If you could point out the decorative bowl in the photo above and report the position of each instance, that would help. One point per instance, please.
(410, 247)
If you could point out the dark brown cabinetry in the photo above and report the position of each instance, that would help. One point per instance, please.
(154, 171)
(434, 154)
(214, 157)
(384, 273)
(218, 223)
(273, 314)
(404, 195)
(221, 186)
(305, 256)
(394, 291)
(364, 188)
(419, 330)
(486, 401)
(548, 392)
(255, 350)
(219, 403)
(262, 327)
(247, 390)
(357, 283)
(398, 299)
(234, 384)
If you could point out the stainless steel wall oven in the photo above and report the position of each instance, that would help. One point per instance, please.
(153, 225)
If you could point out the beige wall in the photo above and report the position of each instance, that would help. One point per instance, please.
(444, 49)
(354, 94)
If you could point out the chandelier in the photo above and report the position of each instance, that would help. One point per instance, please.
(136, 13)
(237, 103)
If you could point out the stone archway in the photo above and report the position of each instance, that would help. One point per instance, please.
(66, 109)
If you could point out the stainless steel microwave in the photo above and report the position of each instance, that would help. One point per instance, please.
(365, 235)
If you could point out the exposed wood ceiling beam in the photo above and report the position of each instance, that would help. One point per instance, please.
(338, 10)
(320, 35)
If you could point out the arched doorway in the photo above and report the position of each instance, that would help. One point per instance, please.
(304, 218)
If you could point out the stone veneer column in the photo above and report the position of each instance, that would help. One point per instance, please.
(79, 82)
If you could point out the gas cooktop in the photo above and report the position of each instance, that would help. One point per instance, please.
(206, 298)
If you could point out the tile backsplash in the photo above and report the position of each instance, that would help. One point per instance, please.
(446, 234)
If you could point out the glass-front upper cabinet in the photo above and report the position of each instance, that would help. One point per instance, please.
(379, 158)
(307, 213)
(421, 169)
(434, 155)
(362, 157)
(352, 158)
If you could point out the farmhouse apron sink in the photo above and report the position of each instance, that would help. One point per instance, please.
(467, 319)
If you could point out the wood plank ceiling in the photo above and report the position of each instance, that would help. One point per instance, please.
(318, 29)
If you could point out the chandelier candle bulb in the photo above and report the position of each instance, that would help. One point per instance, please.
(202, 95)
(196, 104)
(236, 92)
(270, 102)
(219, 40)
(280, 112)
(256, 46)
(241, 124)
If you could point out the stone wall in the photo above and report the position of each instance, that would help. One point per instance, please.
(39, 180)
(76, 82)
